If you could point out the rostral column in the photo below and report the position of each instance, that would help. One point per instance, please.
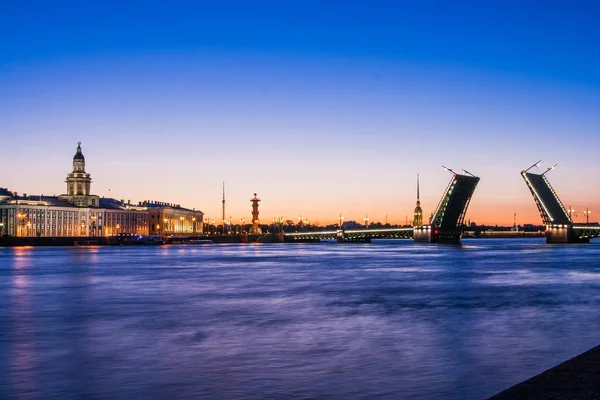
(255, 220)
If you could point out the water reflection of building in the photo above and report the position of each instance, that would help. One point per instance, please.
(80, 213)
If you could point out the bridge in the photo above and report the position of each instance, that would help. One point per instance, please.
(351, 235)
(445, 225)
(560, 227)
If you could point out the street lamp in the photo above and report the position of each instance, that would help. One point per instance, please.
(28, 228)
(118, 228)
(242, 222)
(93, 218)
(166, 221)
(182, 224)
(366, 221)
(341, 219)
(587, 215)
(193, 224)
(1, 229)
(82, 229)
(571, 211)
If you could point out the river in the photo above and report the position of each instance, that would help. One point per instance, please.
(387, 320)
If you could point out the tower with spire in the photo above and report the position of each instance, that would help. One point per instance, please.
(418, 219)
(223, 216)
(79, 183)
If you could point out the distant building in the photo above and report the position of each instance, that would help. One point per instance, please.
(45, 216)
(171, 219)
(80, 213)
(418, 218)
(119, 218)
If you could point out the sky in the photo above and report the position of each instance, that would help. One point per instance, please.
(322, 108)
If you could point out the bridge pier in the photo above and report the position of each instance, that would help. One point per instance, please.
(422, 234)
(557, 234)
(453, 236)
(434, 235)
(339, 237)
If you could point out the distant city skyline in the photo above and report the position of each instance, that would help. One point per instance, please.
(321, 110)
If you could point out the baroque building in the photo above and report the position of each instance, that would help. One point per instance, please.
(79, 184)
(78, 213)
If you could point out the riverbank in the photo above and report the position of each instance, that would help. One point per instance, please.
(577, 378)
(9, 241)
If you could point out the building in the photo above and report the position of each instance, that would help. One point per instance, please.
(79, 213)
(119, 218)
(418, 217)
(171, 219)
(79, 184)
(44, 216)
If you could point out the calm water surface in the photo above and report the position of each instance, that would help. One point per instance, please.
(386, 320)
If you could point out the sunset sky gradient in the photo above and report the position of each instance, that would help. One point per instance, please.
(320, 109)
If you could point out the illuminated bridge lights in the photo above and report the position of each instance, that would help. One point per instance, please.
(538, 199)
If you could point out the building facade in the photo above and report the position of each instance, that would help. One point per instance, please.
(173, 220)
(30, 216)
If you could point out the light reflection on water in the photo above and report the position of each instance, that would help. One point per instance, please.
(387, 320)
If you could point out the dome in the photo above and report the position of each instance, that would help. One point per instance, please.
(79, 154)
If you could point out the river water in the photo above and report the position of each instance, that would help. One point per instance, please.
(387, 320)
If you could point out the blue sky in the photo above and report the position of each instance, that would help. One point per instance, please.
(321, 109)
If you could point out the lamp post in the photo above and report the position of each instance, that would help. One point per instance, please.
(182, 224)
(571, 211)
(28, 228)
(587, 215)
(341, 219)
(242, 222)
(193, 224)
(118, 228)
(166, 225)
(93, 218)
(1, 229)
(366, 222)
(82, 232)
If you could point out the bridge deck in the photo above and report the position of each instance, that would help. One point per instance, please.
(549, 205)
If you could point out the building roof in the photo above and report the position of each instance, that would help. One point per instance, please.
(158, 205)
(112, 204)
(78, 155)
(40, 200)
